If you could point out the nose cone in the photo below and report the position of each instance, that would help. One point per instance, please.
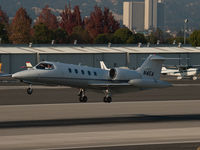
(17, 75)
(20, 75)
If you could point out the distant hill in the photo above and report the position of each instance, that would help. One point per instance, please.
(175, 13)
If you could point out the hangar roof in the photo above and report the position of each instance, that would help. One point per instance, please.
(95, 49)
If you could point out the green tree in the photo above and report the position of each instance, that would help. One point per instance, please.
(136, 38)
(81, 35)
(176, 39)
(115, 39)
(20, 28)
(101, 39)
(60, 36)
(3, 34)
(157, 35)
(124, 34)
(152, 38)
(195, 38)
(42, 35)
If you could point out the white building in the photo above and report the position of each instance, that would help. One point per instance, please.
(133, 15)
(161, 15)
(150, 19)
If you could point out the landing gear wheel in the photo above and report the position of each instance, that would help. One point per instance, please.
(107, 99)
(29, 91)
(83, 99)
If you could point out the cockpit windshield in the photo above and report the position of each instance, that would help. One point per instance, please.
(45, 66)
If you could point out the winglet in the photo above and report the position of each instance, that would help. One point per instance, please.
(103, 66)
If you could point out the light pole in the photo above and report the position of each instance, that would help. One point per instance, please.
(185, 26)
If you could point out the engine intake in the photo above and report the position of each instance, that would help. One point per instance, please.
(112, 73)
(122, 74)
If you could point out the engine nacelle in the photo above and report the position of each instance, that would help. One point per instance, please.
(123, 74)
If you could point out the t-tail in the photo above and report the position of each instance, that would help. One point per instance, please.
(150, 73)
(151, 68)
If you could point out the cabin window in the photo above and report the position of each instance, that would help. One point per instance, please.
(82, 71)
(45, 66)
(76, 71)
(89, 73)
(70, 70)
(95, 73)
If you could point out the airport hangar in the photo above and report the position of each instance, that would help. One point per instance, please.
(14, 57)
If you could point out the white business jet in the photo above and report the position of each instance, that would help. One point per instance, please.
(114, 80)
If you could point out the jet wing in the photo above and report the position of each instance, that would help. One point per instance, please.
(108, 84)
(5, 75)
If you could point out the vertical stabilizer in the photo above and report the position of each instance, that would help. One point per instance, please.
(151, 68)
(103, 66)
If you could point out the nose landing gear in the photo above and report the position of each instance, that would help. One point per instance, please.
(30, 90)
(82, 97)
(107, 98)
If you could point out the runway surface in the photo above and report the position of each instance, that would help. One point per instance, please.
(67, 126)
(52, 118)
(16, 95)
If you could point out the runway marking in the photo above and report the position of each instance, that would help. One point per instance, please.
(100, 103)
(101, 139)
(97, 110)
(124, 145)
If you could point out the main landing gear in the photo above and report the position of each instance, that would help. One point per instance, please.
(30, 90)
(82, 97)
(107, 98)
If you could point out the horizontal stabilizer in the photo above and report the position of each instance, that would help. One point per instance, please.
(149, 83)
(157, 58)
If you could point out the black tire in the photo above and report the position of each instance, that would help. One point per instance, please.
(81, 99)
(105, 99)
(109, 99)
(29, 91)
(84, 99)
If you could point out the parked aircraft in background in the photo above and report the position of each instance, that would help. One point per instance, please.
(182, 72)
(114, 80)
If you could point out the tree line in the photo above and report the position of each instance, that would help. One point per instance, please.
(99, 28)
